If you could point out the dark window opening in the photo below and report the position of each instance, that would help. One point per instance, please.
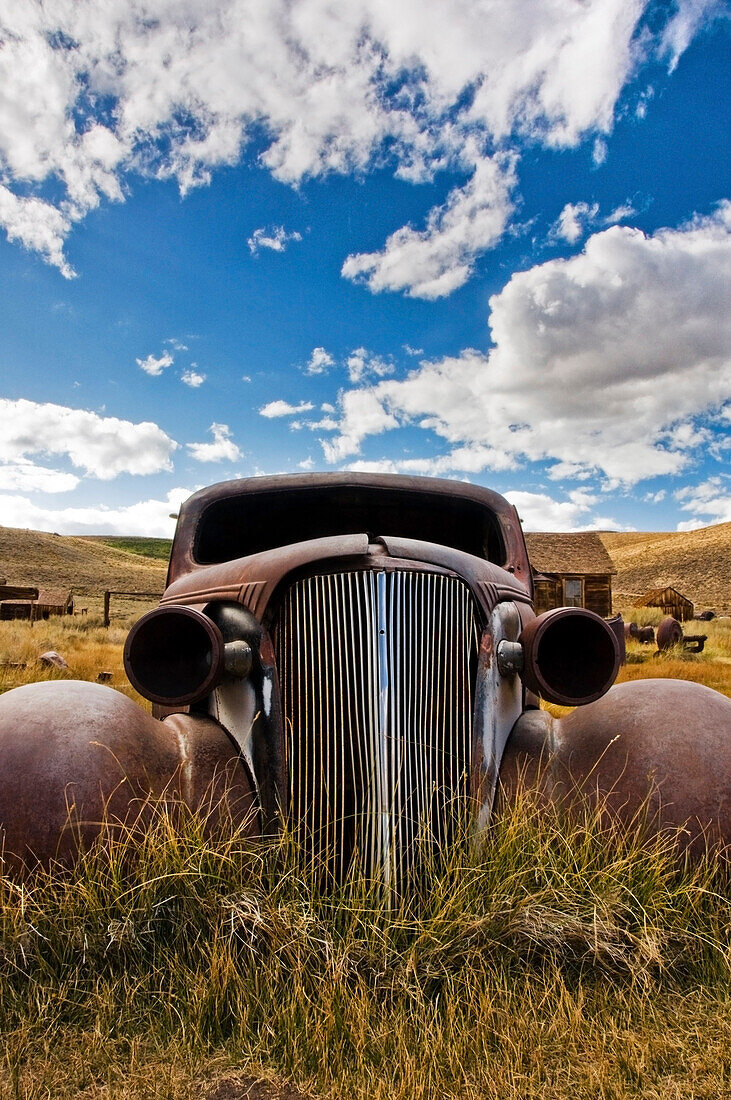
(239, 525)
(573, 595)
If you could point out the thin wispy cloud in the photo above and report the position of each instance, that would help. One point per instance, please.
(275, 409)
(275, 239)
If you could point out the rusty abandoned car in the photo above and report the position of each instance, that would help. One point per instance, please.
(359, 655)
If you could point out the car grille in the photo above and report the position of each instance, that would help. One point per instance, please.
(377, 673)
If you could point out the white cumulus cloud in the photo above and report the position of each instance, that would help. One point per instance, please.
(709, 502)
(574, 220)
(155, 366)
(319, 362)
(221, 449)
(363, 364)
(432, 262)
(103, 446)
(27, 477)
(603, 362)
(192, 378)
(93, 94)
(145, 517)
(38, 226)
(540, 512)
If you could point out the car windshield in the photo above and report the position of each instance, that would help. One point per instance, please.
(239, 524)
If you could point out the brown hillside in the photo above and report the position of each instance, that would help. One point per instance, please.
(696, 563)
(85, 565)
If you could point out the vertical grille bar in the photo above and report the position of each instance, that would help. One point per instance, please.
(377, 675)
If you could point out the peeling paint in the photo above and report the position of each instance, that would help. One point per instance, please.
(186, 765)
(266, 690)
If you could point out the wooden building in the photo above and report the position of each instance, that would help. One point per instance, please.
(571, 569)
(42, 603)
(15, 609)
(670, 600)
(54, 601)
(16, 600)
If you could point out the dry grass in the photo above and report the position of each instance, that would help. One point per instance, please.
(694, 562)
(561, 959)
(712, 667)
(85, 644)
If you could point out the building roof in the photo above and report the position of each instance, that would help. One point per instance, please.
(54, 597)
(568, 552)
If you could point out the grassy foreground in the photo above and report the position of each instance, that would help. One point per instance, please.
(562, 959)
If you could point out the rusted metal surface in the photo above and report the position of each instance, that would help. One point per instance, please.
(660, 745)
(645, 635)
(174, 656)
(669, 633)
(617, 625)
(73, 751)
(253, 581)
(499, 701)
(276, 511)
(571, 656)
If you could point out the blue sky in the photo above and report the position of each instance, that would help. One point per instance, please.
(485, 239)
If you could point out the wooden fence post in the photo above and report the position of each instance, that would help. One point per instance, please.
(107, 594)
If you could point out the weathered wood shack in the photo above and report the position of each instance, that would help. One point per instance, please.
(15, 609)
(670, 601)
(15, 601)
(570, 569)
(54, 601)
(41, 605)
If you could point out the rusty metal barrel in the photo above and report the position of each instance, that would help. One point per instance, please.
(669, 634)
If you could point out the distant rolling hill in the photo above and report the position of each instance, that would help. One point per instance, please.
(697, 563)
(88, 565)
